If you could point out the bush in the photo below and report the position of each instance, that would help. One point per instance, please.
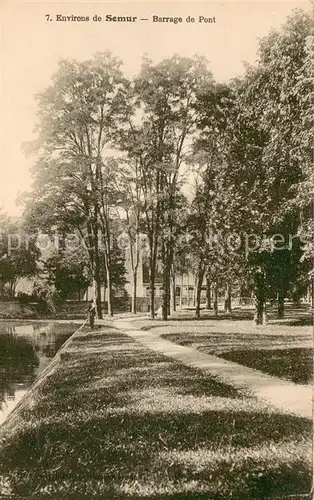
(47, 297)
(24, 298)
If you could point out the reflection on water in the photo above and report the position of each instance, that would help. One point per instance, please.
(25, 350)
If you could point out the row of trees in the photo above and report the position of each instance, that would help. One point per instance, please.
(113, 154)
(257, 136)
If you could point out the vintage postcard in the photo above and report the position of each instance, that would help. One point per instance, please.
(156, 250)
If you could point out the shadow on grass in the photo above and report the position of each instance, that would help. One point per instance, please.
(308, 321)
(229, 344)
(116, 448)
(205, 316)
(295, 364)
(294, 316)
(117, 375)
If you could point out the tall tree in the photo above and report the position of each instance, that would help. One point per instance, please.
(129, 211)
(77, 116)
(168, 92)
(218, 197)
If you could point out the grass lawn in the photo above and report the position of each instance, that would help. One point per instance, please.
(278, 356)
(281, 350)
(118, 421)
(290, 364)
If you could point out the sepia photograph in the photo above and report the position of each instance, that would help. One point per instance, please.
(156, 250)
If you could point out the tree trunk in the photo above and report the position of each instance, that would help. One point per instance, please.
(281, 304)
(15, 285)
(97, 286)
(188, 290)
(165, 294)
(166, 261)
(91, 241)
(152, 293)
(216, 299)
(208, 294)
(181, 292)
(259, 312)
(94, 295)
(108, 279)
(153, 244)
(134, 261)
(134, 292)
(195, 290)
(109, 291)
(228, 298)
(97, 281)
(260, 297)
(173, 288)
(12, 286)
(98, 301)
(200, 278)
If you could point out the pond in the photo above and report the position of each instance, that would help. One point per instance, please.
(25, 350)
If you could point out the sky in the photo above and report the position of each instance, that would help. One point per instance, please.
(33, 45)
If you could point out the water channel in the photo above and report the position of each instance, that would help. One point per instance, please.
(25, 350)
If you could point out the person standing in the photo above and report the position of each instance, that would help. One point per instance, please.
(91, 312)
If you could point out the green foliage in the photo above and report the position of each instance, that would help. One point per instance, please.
(18, 255)
(68, 270)
(254, 151)
(118, 270)
(48, 297)
(251, 142)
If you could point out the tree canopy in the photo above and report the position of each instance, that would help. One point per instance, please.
(112, 156)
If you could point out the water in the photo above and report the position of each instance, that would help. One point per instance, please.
(25, 350)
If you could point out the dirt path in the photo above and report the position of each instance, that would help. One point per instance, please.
(283, 395)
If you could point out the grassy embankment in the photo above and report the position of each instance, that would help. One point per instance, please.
(117, 421)
(12, 309)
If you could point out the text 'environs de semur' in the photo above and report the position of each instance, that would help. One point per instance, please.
(133, 19)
